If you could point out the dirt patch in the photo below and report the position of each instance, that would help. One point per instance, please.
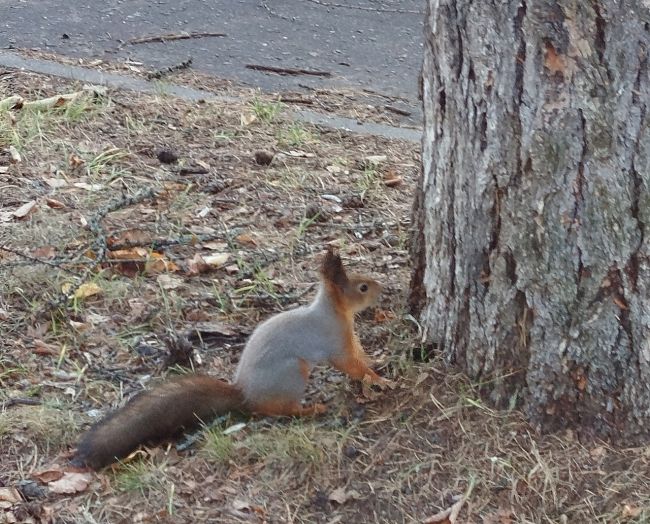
(129, 224)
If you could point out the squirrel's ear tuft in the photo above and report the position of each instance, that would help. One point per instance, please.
(332, 268)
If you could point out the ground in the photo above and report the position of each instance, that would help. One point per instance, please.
(133, 224)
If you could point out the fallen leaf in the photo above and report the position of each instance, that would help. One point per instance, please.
(232, 269)
(25, 209)
(14, 155)
(375, 159)
(241, 505)
(167, 281)
(157, 263)
(215, 245)
(55, 183)
(75, 161)
(54, 204)
(447, 516)
(70, 483)
(10, 495)
(598, 452)
(421, 378)
(87, 289)
(392, 179)
(631, 512)
(42, 348)
(246, 239)
(88, 187)
(383, 315)
(341, 496)
(49, 475)
(216, 260)
(247, 119)
(300, 154)
(234, 428)
(44, 252)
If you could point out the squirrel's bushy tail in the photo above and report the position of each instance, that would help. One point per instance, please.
(180, 403)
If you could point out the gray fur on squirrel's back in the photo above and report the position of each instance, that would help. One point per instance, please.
(269, 366)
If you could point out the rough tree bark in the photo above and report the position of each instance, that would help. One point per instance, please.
(531, 254)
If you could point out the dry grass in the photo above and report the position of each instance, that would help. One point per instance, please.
(394, 456)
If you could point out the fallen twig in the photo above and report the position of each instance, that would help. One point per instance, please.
(398, 111)
(171, 69)
(52, 263)
(173, 36)
(98, 247)
(364, 8)
(287, 70)
(290, 100)
(20, 401)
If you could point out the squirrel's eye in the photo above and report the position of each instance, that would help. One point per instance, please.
(363, 288)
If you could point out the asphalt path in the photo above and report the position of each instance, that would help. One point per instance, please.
(372, 45)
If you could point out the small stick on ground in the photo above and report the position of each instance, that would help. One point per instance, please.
(172, 36)
(20, 401)
(287, 70)
(398, 111)
(171, 69)
(291, 100)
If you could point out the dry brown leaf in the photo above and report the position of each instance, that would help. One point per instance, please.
(10, 495)
(87, 289)
(392, 179)
(88, 187)
(129, 236)
(167, 281)
(14, 155)
(598, 452)
(383, 315)
(157, 263)
(203, 264)
(246, 239)
(44, 252)
(447, 516)
(247, 119)
(70, 483)
(47, 476)
(56, 183)
(75, 161)
(232, 269)
(54, 204)
(42, 348)
(25, 209)
(341, 496)
(631, 512)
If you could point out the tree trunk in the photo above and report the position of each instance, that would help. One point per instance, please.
(531, 257)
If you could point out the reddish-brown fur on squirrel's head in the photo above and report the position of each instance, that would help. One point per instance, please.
(355, 292)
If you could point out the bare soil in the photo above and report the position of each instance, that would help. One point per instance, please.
(112, 261)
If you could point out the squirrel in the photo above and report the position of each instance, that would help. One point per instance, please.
(270, 379)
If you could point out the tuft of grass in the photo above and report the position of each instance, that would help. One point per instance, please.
(218, 447)
(369, 180)
(142, 476)
(295, 135)
(265, 111)
(279, 444)
(47, 426)
(99, 163)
